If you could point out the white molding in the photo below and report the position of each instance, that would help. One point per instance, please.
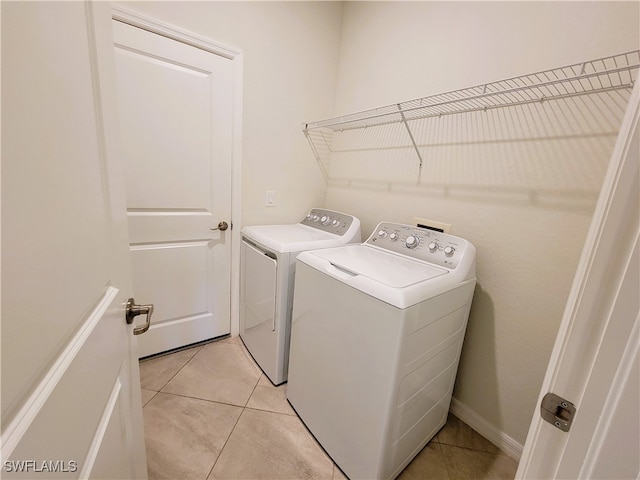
(168, 30)
(500, 439)
(96, 443)
(19, 425)
(236, 192)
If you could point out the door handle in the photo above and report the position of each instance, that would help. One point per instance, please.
(134, 310)
(222, 226)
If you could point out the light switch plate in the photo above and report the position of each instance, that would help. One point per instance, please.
(270, 198)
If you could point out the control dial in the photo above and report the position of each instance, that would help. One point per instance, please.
(448, 251)
(393, 237)
(325, 220)
(433, 246)
(335, 223)
(382, 233)
(412, 241)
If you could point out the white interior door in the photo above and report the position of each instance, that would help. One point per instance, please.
(595, 363)
(176, 112)
(70, 381)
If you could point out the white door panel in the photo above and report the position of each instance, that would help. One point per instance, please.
(146, 228)
(168, 140)
(594, 363)
(49, 411)
(70, 380)
(178, 273)
(31, 175)
(110, 442)
(176, 121)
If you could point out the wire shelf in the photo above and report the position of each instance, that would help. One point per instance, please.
(600, 76)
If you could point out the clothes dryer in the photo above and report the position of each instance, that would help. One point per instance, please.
(375, 344)
(267, 271)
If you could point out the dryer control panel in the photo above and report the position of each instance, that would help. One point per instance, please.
(330, 221)
(422, 244)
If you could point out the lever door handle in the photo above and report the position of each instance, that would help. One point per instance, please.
(134, 310)
(222, 226)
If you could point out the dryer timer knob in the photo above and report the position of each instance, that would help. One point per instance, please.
(412, 241)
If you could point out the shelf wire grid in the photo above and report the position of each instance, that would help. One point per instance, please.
(607, 82)
(595, 76)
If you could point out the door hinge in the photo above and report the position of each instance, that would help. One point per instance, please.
(557, 411)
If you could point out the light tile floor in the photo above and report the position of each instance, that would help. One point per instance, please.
(211, 414)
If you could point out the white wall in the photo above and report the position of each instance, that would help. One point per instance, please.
(526, 203)
(290, 60)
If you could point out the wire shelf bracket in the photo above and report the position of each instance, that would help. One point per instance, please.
(413, 140)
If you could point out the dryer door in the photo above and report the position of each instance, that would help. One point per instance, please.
(257, 289)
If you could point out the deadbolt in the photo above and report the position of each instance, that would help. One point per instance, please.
(222, 226)
(134, 310)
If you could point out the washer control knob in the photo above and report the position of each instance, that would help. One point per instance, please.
(412, 241)
(316, 218)
(448, 251)
(393, 237)
(325, 220)
(336, 223)
(433, 246)
(382, 233)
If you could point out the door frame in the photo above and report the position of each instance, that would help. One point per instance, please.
(237, 57)
(598, 323)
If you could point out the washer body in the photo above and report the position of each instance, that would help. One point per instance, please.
(267, 270)
(375, 344)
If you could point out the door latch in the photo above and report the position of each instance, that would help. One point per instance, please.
(133, 310)
(557, 411)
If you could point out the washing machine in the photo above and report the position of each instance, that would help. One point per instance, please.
(267, 271)
(375, 344)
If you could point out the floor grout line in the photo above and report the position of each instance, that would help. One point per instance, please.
(442, 457)
(225, 444)
(452, 463)
(182, 367)
(201, 399)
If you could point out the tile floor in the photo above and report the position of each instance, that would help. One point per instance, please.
(210, 413)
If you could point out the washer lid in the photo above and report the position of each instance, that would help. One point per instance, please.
(292, 238)
(388, 269)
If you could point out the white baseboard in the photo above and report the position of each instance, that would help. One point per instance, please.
(500, 439)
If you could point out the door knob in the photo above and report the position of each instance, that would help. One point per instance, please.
(134, 310)
(222, 226)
